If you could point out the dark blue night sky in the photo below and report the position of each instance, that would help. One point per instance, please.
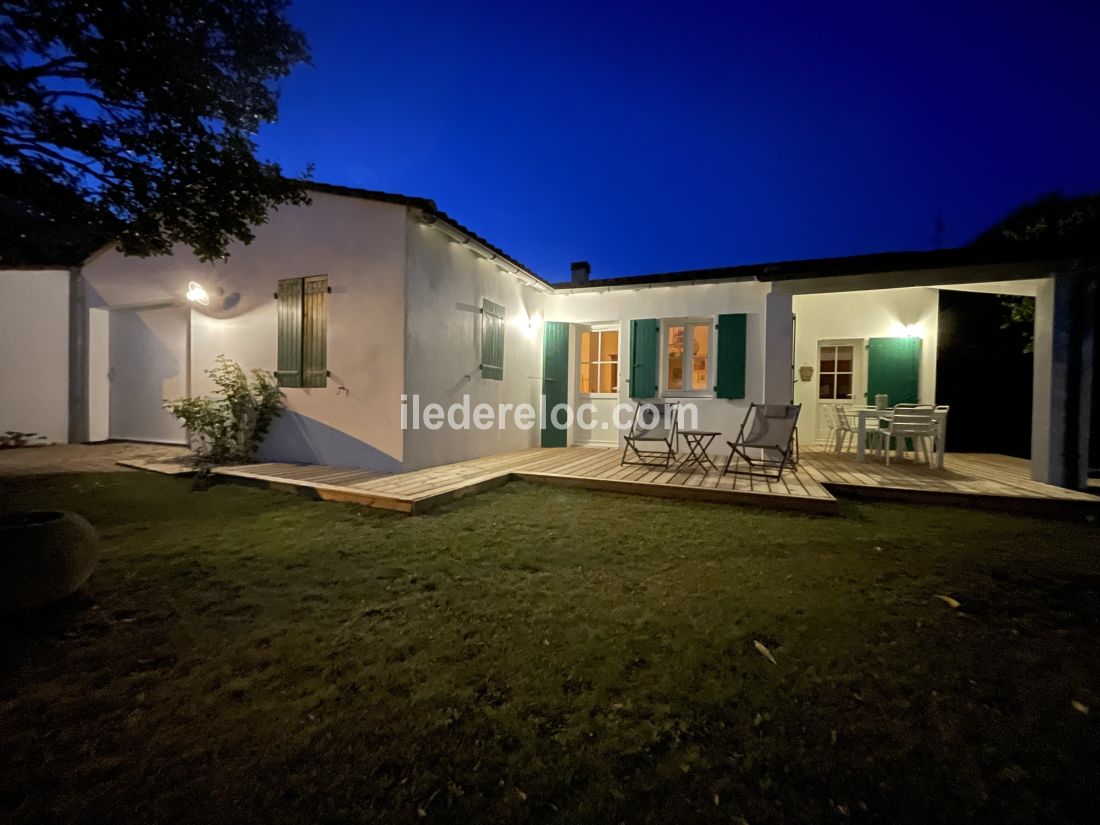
(648, 137)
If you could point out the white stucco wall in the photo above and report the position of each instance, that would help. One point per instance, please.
(681, 301)
(445, 285)
(34, 352)
(360, 245)
(881, 313)
(99, 370)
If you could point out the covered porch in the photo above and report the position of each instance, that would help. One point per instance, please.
(860, 338)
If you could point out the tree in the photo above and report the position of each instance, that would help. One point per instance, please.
(1051, 226)
(135, 119)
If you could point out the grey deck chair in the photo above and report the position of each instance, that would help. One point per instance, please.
(651, 440)
(768, 431)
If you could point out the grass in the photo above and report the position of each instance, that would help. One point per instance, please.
(538, 654)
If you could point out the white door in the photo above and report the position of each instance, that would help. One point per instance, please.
(148, 363)
(839, 378)
(597, 385)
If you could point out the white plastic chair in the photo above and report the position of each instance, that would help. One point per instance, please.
(830, 422)
(907, 422)
(845, 432)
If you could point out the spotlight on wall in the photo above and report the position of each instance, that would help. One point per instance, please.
(196, 294)
(900, 330)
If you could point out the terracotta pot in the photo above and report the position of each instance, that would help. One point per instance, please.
(44, 555)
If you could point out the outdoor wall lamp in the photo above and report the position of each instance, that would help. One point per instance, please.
(197, 294)
(901, 330)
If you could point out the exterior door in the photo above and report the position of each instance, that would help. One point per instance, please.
(555, 379)
(148, 363)
(893, 370)
(839, 379)
(597, 385)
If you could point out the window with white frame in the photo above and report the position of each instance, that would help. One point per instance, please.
(599, 361)
(835, 372)
(687, 357)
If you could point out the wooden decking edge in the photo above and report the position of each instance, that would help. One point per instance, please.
(772, 501)
(1018, 504)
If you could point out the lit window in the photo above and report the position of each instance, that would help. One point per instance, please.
(687, 357)
(599, 361)
(834, 375)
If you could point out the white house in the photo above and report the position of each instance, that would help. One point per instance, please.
(364, 301)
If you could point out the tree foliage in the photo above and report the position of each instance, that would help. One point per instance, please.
(144, 111)
(1053, 224)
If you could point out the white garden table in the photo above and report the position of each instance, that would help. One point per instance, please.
(866, 414)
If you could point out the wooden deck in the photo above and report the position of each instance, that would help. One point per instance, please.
(968, 479)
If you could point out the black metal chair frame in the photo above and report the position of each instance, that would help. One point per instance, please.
(652, 458)
(759, 466)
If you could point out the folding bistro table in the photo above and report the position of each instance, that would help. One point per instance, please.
(697, 443)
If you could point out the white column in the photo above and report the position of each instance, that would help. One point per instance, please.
(1062, 390)
(778, 352)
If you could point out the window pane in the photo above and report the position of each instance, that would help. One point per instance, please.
(588, 346)
(675, 341)
(676, 372)
(676, 358)
(589, 377)
(609, 345)
(699, 374)
(609, 377)
(843, 359)
(700, 340)
(825, 386)
(828, 359)
(700, 346)
(844, 385)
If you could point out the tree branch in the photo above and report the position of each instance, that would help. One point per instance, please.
(37, 148)
(102, 101)
(53, 67)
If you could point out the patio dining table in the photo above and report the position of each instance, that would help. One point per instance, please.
(866, 414)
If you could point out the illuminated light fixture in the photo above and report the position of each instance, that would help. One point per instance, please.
(196, 294)
(900, 330)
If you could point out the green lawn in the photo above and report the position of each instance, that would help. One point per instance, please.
(539, 654)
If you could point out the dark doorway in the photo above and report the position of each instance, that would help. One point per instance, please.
(983, 373)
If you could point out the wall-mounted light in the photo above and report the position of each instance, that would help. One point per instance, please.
(900, 330)
(196, 294)
(527, 324)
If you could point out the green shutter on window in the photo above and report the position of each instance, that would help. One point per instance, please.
(555, 380)
(732, 352)
(643, 358)
(288, 373)
(492, 340)
(893, 369)
(315, 331)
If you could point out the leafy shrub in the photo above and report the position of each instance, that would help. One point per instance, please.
(230, 425)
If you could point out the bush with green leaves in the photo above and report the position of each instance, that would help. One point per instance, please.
(229, 425)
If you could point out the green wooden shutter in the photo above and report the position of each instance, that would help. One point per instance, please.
(288, 372)
(555, 379)
(893, 369)
(492, 340)
(643, 358)
(732, 352)
(315, 331)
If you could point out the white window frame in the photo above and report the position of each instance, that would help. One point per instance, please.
(858, 378)
(600, 328)
(662, 367)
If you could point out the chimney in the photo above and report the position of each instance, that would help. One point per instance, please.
(579, 272)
